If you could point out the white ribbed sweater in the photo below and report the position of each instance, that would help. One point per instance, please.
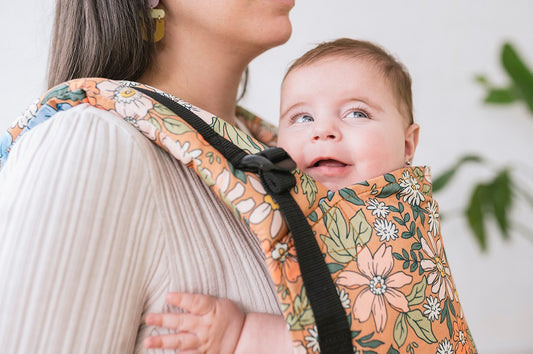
(97, 224)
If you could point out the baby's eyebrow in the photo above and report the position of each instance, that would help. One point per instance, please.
(367, 101)
(292, 107)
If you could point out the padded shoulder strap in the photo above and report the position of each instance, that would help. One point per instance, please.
(273, 166)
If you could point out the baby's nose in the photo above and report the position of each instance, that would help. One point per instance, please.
(326, 131)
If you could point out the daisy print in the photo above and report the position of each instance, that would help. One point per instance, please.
(378, 208)
(386, 230)
(410, 190)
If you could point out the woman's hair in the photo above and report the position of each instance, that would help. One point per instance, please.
(392, 70)
(100, 38)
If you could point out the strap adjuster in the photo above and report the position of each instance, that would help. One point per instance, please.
(271, 159)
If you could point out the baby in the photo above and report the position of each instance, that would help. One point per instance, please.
(346, 117)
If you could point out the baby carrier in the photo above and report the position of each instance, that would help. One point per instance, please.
(359, 270)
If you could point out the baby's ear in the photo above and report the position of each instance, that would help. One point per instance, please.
(411, 141)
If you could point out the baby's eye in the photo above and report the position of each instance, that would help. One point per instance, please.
(303, 118)
(357, 114)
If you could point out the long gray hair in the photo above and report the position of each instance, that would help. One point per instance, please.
(100, 38)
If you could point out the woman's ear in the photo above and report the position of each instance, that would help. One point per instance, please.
(411, 141)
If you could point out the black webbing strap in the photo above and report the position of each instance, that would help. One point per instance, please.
(273, 166)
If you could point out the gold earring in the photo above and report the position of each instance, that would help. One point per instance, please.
(159, 16)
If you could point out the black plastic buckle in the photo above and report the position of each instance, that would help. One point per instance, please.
(271, 159)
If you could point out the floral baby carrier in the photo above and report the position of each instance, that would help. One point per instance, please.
(378, 242)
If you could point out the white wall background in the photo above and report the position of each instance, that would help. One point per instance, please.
(444, 44)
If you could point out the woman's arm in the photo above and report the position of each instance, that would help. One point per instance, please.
(78, 232)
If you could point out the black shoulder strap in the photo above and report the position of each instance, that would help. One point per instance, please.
(273, 166)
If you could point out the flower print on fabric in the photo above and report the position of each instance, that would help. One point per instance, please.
(433, 213)
(148, 129)
(128, 102)
(267, 207)
(282, 263)
(385, 229)
(23, 119)
(312, 340)
(437, 266)
(379, 285)
(445, 347)
(432, 307)
(378, 208)
(460, 337)
(181, 152)
(345, 299)
(411, 189)
(223, 182)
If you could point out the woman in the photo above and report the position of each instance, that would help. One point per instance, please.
(98, 224)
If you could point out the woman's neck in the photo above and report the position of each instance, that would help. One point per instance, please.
(200, 74)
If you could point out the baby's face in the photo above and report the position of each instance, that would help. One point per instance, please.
(341, 124)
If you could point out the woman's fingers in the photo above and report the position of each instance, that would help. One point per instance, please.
(182, 341)
(177, 321)
(197, 304)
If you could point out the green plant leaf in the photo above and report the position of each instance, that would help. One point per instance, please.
(475, 214)
(502, 200)
(519, 73)
(443, 179)
(501, 96)
(481, 79)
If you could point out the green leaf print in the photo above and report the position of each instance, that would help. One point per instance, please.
(303, 314)
(175, 126)
(419, 173)
(155, 123)
(238, 173)
(309, 188)
(417, 295)
(426, 189)
(350, 196)
(390, 178)
(389, 190)
(239, 138)
(313, 216)
(334, 267)
(360, 229)
(163, 110)
(445, 315)
(421, 325)
(392, 350)
(340, 244)
(400, 330)
(62, 92)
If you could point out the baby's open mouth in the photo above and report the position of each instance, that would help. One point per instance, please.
(329, 163)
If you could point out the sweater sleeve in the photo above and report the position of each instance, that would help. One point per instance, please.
(79, 236)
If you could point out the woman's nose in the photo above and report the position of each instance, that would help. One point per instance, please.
(326, 130)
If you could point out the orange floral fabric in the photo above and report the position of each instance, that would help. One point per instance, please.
(381, 238)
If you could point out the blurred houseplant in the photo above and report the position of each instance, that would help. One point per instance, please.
(493, 200)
